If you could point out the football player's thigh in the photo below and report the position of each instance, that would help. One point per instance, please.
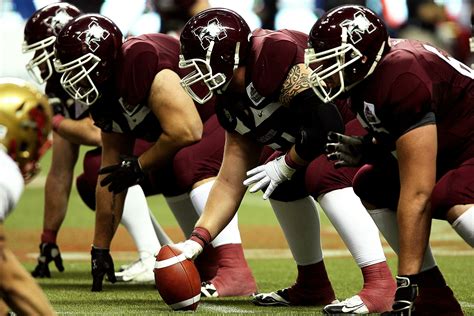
(454, 190)
(322, 177)
(201, 160)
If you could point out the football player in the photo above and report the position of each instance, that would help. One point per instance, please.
(25, 123)
(133, 92)
(416, 102)
(264, 99)
(74, 127)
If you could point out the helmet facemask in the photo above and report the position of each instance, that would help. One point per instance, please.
(328, 63)
(39, 67)
(76, 79)
(203, 76)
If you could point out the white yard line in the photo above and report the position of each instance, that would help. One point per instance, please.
(252, 254)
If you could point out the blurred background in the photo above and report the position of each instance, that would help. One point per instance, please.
(444, 23)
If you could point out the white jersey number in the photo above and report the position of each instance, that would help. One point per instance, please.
(459, 66)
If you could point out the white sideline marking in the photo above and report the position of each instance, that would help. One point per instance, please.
(467, 304)
(250, 254)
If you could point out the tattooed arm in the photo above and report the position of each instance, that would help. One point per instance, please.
(295, 82)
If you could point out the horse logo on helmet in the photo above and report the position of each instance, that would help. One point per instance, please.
(357, 27)
(93, 35)
(206, 34)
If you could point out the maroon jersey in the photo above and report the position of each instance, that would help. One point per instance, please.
(258, 113)
(124, 107)
(416, 84)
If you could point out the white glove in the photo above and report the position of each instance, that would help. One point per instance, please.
(272, 174)
(190, 248)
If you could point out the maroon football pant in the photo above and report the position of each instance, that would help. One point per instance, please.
(380, 186)
(320, 176)
(191, 164)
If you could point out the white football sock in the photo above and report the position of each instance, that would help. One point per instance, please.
(464, 226)
(163, 237)
(230, 234)
(300, 223)
(183, 211)
(386, 221)
(136, 219)
(355, 226)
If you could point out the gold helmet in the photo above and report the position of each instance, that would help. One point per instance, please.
(25, 123)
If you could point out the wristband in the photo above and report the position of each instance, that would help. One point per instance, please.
(201, 236)
(57, 119)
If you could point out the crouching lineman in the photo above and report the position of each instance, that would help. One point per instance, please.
(416, 103)
(133, 92)
(265, 99)
(72, 128)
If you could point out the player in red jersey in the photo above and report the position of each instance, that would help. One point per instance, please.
(132, 90)
(73, 127)
(416, 103)
(264, 99)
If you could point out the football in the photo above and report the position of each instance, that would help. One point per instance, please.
(177, 279)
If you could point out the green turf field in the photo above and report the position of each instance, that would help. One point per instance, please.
(269, 259)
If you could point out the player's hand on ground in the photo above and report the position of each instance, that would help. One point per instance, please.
(48, 252)
(269, 175)
(407, 291)
(123, 175)
(101, 265)
(189, 248)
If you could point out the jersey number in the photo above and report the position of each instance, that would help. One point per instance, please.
(460, 67)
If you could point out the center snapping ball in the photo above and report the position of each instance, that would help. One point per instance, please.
(177, 279)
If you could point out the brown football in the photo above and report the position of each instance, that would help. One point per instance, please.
(177, 279)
